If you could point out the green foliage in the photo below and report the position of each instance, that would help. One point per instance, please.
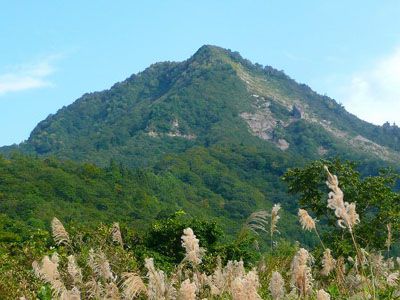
(45, 292)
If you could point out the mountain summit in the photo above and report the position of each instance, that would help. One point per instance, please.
(216, 97)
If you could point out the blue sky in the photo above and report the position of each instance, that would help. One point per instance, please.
(52, 52)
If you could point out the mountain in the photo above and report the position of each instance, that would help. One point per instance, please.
(211, 135)
(214, 98)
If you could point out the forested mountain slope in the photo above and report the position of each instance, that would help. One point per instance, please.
(214, 97)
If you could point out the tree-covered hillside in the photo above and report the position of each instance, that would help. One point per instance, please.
(214, 98)
(224, 185)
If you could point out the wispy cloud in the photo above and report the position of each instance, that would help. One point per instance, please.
(28, 76)
(373, 94)
(294, 57)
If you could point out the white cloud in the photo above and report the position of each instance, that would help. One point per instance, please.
(374, 93)
(28, 76)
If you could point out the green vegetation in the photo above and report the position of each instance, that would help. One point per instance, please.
(171, 260)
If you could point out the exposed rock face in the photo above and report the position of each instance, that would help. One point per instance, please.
(282, 144)
(174, 132)
(297, 112)
(322, 151)
(261, 123)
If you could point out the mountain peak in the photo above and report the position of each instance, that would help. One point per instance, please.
(212, 52)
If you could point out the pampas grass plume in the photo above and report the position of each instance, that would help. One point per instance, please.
(60, 235)
(276, 286)
(322, 295)
(132, 285)
(116, 234)
(245, 287)
(73, 269)
(307, 223)
(100, 265)
(301, 277)
(258, 220)
(275, 217)
(344, 211)
(328, 262)
(187, 290)
(392, 278)
(194, 252)
(158, 286)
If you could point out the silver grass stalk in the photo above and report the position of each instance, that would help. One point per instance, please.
(328, 263)
(388, 241)
(232, 270)
(159, 288)
(274, 220)
(245, 287)
(200, 280)
(258, 221)
(60, 235)
(55, 258)
(116, 234)
(378, 263)
(307, 223)
(74, 270)
(47, 270)
(222, 278)
(95, 289)
(344, 211)
(187, 290)
(73, 294)
(392, 279)
(390, 263)
(111, 291)
(194, 252)
(277, 286)
(132, 285)
(100, 265)
(301, 277)
(322, 295)
(217, 280)
(340, 270)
